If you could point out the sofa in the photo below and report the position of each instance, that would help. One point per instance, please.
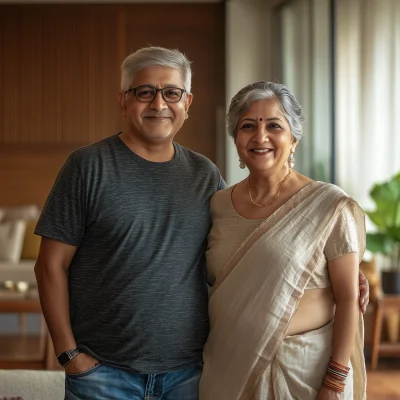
(32, 385)
(19, 246)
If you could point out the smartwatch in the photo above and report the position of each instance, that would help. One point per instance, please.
(65, 357)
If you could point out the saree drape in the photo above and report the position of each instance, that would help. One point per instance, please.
(254, 299)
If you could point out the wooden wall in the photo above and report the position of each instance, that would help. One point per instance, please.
(60, 74)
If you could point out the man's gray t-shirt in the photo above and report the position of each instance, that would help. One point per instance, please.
(138, 297)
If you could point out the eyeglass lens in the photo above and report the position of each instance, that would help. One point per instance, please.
(148, 93)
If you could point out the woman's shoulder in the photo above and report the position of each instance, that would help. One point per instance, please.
(222, 195)
(222, 200)
(350, 204)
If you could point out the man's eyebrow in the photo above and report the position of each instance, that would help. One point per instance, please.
(168, 85)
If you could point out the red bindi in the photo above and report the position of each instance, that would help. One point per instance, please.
(260, 119)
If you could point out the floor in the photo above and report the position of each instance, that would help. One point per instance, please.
(383, 384)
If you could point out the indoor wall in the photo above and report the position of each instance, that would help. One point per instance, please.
(59, 81)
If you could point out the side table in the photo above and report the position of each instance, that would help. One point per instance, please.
(383, 304)
(28, 303)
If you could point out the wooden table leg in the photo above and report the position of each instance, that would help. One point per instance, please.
(376, 338)
(22, 322)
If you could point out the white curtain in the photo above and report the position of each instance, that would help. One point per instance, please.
(306, 72)
(367, 94)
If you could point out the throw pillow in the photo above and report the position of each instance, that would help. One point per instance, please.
(11, 240)
(31, 244)
(26, 212)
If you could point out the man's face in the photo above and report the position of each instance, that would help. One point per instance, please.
(157, 120)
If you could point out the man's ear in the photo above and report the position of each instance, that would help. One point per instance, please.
(122, 103)
(188, 102)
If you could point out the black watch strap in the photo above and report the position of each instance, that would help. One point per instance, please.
(65, 357)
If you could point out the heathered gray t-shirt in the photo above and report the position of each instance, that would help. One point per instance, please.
(138, 297)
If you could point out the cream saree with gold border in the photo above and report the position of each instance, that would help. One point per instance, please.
(247, 354)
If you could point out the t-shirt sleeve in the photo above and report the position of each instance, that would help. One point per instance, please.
(222, 184)
(64, 214)
(348, 234)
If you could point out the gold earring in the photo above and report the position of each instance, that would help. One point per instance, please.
(291, 159)
(242, 165)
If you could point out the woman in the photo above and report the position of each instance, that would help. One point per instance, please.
(283, 255)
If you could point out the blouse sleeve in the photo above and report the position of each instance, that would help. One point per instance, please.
(348, 234)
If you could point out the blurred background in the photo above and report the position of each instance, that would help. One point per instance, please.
(59, 82)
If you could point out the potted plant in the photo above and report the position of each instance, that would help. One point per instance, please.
(386, 240)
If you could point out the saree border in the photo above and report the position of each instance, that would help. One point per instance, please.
(270, 351)
(264, 227)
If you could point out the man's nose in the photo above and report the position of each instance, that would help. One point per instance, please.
(158, 103)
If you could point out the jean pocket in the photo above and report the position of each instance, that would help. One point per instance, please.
(84, 373)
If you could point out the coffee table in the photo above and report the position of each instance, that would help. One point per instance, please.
(15, 301)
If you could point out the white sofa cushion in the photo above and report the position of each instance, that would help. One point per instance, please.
(32, 385)
(26, 212)
(16, 272)
(11, 240)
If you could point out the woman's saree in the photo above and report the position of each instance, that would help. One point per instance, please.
(247, 354)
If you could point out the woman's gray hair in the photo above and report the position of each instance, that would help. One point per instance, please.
(243, 99)
(155, 57)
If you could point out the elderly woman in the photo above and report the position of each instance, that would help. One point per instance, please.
(283, 256)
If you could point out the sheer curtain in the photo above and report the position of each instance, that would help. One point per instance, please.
(306, 71)
(367, 94)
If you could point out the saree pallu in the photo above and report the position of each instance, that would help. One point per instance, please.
(254, 298)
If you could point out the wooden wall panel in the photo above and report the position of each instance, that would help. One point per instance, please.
(27, 173)
(60, 73)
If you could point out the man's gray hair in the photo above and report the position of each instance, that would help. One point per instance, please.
(243, 99)
(155, 57)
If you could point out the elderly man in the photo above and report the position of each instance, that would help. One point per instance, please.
(121, 265)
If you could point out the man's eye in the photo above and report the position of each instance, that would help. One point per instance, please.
(145, 93)
(172, 93)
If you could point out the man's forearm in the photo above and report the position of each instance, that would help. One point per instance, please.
(54, 300)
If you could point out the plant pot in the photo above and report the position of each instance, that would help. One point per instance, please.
(391, 282)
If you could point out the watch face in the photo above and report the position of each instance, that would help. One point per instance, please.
(67, 356)
(63, 358)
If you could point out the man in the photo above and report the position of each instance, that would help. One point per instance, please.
(121, 265)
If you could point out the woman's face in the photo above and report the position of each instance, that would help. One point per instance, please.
(263, 139)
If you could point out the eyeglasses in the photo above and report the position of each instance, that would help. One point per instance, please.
(146, 94)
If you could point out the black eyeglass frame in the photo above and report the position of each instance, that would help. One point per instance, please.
(156, 91)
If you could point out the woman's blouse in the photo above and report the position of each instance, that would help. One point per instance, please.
(229, 230)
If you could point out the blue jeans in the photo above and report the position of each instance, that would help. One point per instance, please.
(103, 382)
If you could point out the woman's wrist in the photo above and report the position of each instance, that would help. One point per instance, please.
(335, 377)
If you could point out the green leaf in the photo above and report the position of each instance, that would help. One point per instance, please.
(380, 243)
(386, 196)
(387, 192)
(386, 217)
(394, 232)
(377, 218)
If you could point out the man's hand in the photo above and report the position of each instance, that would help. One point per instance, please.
(81, 363)
(364, 292)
